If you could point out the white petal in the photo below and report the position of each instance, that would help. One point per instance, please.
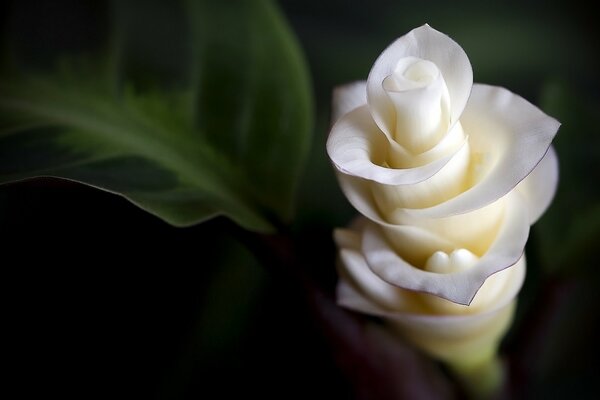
(399, 157)
(415, 243)
(474, 230)
(499, 288)
(509, 136)
(428, 44)
(458, 339)
(350, 297)
(359, 194)
(539, 187)
(464, 338)
(461, 287)
(354, 269)
(448, 182)
(348, 97)
(421, 101)
(357, 147)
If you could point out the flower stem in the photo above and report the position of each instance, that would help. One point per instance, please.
(483, 379)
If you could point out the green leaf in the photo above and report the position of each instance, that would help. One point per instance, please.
(568, 231)
(231, 141)
(238, 71)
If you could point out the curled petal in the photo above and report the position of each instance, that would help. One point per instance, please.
(399, 157)
(417, 244)
(457, 339)
(539, 187)
(359, 194)
(474, 231)
(350, 297)
(464, 338)
(500, 288)
(358, 148)
(354, 269)
(448, 182)
(459, 287)
(348, 97)
(428, 44)
(421, 101)
(508, 138)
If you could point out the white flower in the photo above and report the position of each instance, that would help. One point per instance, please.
(449, 175)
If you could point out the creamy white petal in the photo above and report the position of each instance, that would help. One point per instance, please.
(428, 44)
(466, 338)
(399, 157)
(508, 138)
(539, 187)
(500, 287)
(348, 97)
(474, 230)
(359, 194)
(416, 244)
(403, 305)
(358, 148)
(421, 102)
(448, 182)
(350, 297)
(461, 287)
(354, 269)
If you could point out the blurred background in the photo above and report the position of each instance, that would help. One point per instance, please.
(103, 299)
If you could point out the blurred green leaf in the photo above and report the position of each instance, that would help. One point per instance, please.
(250, 66)
(568, 232)
(231, 141)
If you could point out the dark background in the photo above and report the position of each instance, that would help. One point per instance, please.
(102, 300)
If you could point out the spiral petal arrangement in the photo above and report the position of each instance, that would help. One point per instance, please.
(448, 176)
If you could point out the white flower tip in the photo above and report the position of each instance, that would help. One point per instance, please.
(411, 73)
(459, 260)
(438, 263)
(463, 259)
